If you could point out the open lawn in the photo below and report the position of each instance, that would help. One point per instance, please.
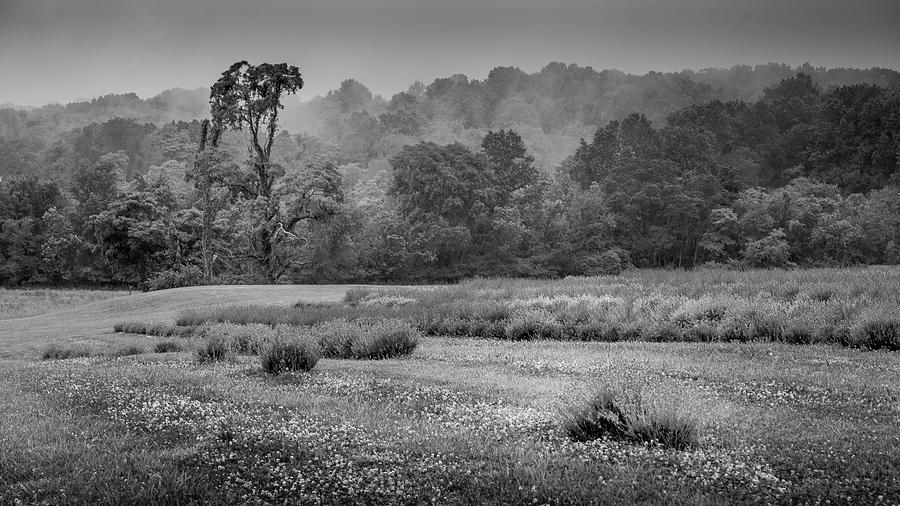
(460, 419)
(28, 301)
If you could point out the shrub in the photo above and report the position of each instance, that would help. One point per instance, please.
(529, 324)
(125, 351)
(366, 338)
(398, 342)
(167, 347)
(602, 416)
(354, 295)
(154, 329)
(243, 339)
(876, 329)
(184, 275)
(214, 348)
(291, 351)
(57, 351)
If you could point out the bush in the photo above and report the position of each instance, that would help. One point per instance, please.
(609, 263)
(366, 338)
(154, 329)
(602, 417)
(167, 347)
(291, 351)
(354, 295)
(392, 343)
(876, 329)
(243, 339)
(185, 275)
(214, 348)
(57, 351)
(132, 349)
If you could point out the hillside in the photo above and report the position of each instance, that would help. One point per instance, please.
(98, 318)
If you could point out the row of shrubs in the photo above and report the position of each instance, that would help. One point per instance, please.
(155, 329)
(61, 351)
(875, 330)
(341, 338)
(862, 323)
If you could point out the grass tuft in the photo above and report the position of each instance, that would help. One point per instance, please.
(354, 295)
(603, 416)
(125, 351)
(58, 351)
(168, 347)
(292, 351)
(367, 339)
(215, 348)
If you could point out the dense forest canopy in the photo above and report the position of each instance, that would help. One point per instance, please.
(566, 171)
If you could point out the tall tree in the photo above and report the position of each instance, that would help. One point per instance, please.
(250, 96)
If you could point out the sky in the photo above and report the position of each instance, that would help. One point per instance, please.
(63, 50)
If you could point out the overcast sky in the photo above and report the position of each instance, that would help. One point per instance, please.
(61, 50)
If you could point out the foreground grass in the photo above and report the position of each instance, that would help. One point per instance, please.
(104, 418)
(464, 421)
(28, 302)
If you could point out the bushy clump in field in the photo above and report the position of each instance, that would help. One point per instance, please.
(248, 339)
(154, 329)
(354, 295)
(125, 351)
(58, 351)
(214, 348)
(190, 275)
(366, 339)
(168, 347)
(292, 350)
(529, 324)
(876, 328)
(386, 300)
(603, 416)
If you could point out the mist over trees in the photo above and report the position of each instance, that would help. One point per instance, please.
(567, 171)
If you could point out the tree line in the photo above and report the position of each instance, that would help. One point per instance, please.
(802, 176)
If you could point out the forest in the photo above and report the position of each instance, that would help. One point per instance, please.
(564, 172)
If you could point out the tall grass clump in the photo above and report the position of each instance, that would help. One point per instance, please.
(604, 416)
(366, 338)
(58, 351)
(876, 328)
(250, 339)
(292, 350)
(168, 347)
(354, 295)
(128, 350)
(215, 348)
(154, 329)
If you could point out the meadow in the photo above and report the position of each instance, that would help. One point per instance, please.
(706, 387)
(28, 302)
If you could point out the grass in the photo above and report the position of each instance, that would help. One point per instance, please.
(168, 347)
(156, 329)
(852, 307)
(19, 303)
(292, 351)
(462, 420)
(366, 338)
(215, 348)
(60, 351)
(603, 417)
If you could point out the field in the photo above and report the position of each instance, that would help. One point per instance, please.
(787, 380)
(19, 303)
